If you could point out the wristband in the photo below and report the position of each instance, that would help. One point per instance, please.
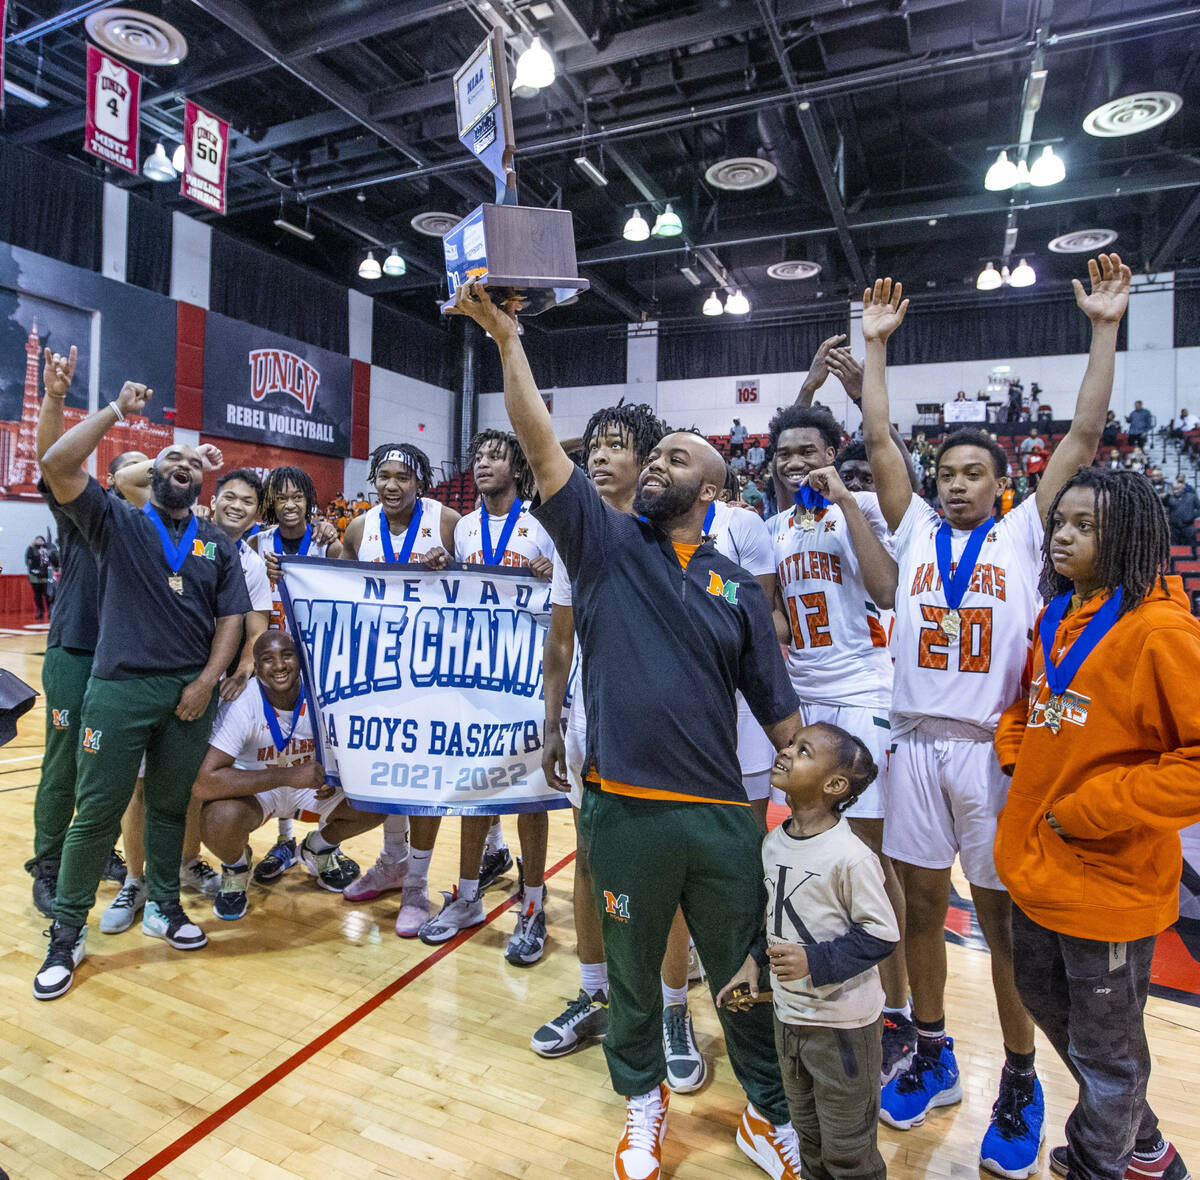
(116, 409)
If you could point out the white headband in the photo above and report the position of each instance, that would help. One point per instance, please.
(398, 457)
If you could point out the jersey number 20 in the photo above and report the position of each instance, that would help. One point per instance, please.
(974, 641)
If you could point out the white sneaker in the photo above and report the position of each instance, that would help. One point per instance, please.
(124, 907)
(457, 913)
(383, 876)
(776, 1149)
(68, 948)
(686, 1067)
(200, 877)
(414, 910)
(639, 1153)
(166, 920)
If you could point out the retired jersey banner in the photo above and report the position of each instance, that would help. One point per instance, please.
(206, 146)
(111, 129)
(428, 683)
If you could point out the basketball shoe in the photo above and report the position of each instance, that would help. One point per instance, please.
(926, 1082)
(382, 877)
(277, 862)
(457, 913)
(1016, 1129)
(414, 910)
(776, 1149)
(1160, 1162)
(68, 948)
(167, 920)
(125, 907)
(686, 1067)
(639, 1153)
(585, 1019)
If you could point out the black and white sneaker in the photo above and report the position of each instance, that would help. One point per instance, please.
(116, 869)
(332, 868)
(277, 862)
(493, 866)
(166, 920)
(899, 1045)
(230, 902)
(45, 885)
(528, 937)
(68, 948)
(686, 1067)
(584, 1020)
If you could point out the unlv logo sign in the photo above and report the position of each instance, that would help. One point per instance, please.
(272, 370)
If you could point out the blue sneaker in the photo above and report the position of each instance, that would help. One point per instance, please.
(1017, 1129)
(926, 1083)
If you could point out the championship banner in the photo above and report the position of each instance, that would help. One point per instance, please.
(111, 129)
(206, 146)
(428, 684)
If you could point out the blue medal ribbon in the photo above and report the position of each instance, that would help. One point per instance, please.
(1060, 675)
(305, 541)
(954, 584)
(385, 536)
(709, 517)
(494, 556)
(809, 498)
(277, 736)
(176, 554)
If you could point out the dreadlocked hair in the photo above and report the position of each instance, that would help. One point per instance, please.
(517, 463)
(854, 762)
(414, 457)
(854, 452)
(277, 479)
(1134, 553)
(974, 438)
(643, 426)
(801, 418)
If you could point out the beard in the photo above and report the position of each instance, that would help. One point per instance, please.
(672, 502)
(169, 494)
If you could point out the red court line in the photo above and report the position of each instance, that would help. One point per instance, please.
(256, 1089)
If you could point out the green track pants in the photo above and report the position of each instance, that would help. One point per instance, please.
(647, 858)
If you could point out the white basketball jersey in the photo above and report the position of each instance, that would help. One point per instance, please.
(742, 536)
(528, 539)
(429, 533)
(207, 146)
(266, 544)
(241, 731)
(972, 678)
(839, 648)
(112, 105)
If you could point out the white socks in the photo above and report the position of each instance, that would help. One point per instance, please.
(593, 978)
(468, 889)
(285, 829)
(673, 995)
(495, 839)
(418, 866)
(395, 838)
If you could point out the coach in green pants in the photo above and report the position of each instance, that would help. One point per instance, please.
(172, 596)
(669, 631)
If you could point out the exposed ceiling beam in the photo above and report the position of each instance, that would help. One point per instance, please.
(390, 17)
(1164, 256)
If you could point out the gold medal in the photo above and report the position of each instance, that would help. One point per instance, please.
(808, 520)
(951, 624)
(175, 581)
(1054, 713)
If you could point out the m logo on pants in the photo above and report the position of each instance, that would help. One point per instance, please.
(91, 740)
(62, 718)
(617, 905)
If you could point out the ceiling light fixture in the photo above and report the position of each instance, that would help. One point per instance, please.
(591, 171)
(18, 91)
(737, 304)
(713, 306)
(1083, 241)
(369, 268)
(1047, 168)
(989, 279)
(1001, 175)
(636, 229)
(305, 235)
(691, 276)
(667, 224)
(394, 265)
(1023, 276)
(157, 167)
(535, 70)
(1132, 113)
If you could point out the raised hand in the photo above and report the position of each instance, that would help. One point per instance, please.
(210, 457)
(473, 301)
(1108, 298)
(883, 310)
(848, 371)
(133, 398)
(323, 532)
(819, 369)
(58, 372)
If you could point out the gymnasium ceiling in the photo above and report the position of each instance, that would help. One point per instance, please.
(880, 117)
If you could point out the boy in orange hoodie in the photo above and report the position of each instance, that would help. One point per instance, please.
(1105, 763)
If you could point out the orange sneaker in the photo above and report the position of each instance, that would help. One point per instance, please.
(775, 1149)
(639, 1154)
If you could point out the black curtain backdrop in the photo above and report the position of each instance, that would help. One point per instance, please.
(998, 326)
(561, 359)
(690, 352)
(1187, 309)
(50, 207)
(408, 345)
(259, 287)
(148, 247)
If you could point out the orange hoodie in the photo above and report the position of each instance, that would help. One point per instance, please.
(1122, 776)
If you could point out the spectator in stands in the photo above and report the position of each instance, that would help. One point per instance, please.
(1140, 423)
(1112, 431)
(752, 495)
(1114, 460)
(755, 458)
(41, 559)
(1136, 460)
(1183, 507)
(737, 437)
(361, 504)
(961, 396)
(1183, 424)
(1031, 445)
(1012, 411)
(737, 462)
(1155, 476)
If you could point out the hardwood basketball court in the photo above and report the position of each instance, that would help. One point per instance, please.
(308, 1041)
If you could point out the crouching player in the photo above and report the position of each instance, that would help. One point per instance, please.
(260, 766)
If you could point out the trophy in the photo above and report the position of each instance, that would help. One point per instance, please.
(518, 252)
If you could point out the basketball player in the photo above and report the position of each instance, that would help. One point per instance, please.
(74, 629)
(617, 442)
(405, 526)
(500, 532)
(667, 822)
(966, 605)
(289, 525)
(260, 764)
(172, 597)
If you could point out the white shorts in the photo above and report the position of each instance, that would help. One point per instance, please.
(754, 750)
(757, 786)
(290, 803)
(945, 796)
(576, 749)
(874, 730)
